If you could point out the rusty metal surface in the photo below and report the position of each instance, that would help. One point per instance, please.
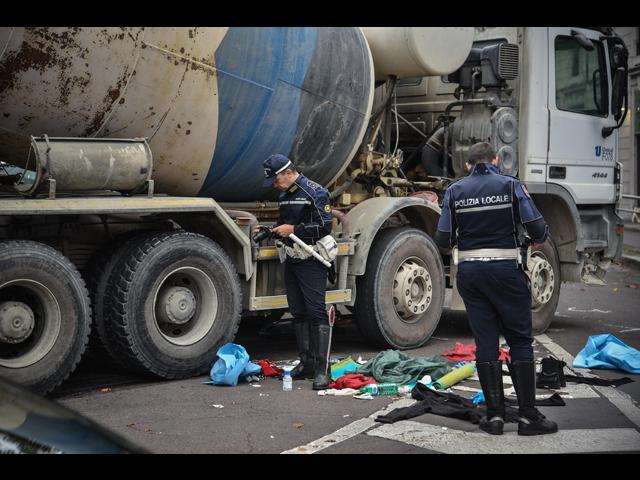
(79, 165)
(163, 84)
(158, 83)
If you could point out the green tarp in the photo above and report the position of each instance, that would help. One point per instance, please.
(392, 366)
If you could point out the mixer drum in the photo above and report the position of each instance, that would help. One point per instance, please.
(213, 102)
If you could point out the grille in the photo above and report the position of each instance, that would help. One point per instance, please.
(508, 56)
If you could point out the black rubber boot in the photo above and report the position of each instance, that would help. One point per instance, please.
(531, 421)
(490, 374)
(321, 347)
(552, 374)
(305, 369)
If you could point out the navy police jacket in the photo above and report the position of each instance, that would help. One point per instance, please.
(305, 205)
(484, 209)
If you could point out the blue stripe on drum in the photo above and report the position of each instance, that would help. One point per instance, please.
(260, 73)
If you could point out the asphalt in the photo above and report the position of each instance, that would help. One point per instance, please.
(185, 416)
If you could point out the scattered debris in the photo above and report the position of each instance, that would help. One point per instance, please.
(298, 425)
(462, 352)
(606, 351)
(343, 392)
(364, 396)
(217, 406)
(105, 390)
(232, 365)
(633, 285)
(343, 367)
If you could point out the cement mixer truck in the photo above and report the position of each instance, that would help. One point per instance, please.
(131, 176)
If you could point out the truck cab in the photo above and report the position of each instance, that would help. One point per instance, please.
(556, 129)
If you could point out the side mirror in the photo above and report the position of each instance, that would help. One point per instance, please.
(619, 92)
(619, 55)
(583, 41)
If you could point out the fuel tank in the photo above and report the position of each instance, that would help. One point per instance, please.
(213, 102)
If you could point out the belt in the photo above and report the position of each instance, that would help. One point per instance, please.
(488, 254)
(295, 251)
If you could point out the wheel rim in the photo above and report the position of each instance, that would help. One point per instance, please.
(542, 280)
(412, 289)
(30, 342)
(185, 306)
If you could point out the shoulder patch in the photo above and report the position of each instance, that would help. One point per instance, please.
(327, 208)
(313, 184)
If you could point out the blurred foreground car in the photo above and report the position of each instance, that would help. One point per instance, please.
(30, 423)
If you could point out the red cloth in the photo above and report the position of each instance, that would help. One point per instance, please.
(269, 369)
(353, 380)
(467, 353)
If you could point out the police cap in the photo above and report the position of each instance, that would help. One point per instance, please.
(274, 165)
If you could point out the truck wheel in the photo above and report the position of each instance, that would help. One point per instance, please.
(172, 302)
(544, 272)
(399, 300)
(45, 315)
(97, 274)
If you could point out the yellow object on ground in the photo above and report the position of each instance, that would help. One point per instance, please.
(455, 376)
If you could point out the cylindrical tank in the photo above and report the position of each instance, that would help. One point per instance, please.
(82, 164)
(418, 51)
(213, 102)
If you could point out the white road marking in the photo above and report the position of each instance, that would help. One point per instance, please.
(456, 441)
(621, 400)
(349, 431)
(574, 309)
(435, 438)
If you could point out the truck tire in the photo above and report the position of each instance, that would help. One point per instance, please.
(45, 315)
(544, 272)
(97, 275)
(400, 298)
(170, 304)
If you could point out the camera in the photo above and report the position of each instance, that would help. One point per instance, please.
(263, 234)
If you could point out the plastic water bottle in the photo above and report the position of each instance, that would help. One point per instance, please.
(287, 381)
(380, 389)
(404, 390)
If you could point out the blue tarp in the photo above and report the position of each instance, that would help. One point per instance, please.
(606, 351)
(232, 364)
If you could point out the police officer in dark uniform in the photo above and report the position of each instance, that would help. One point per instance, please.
(483, 215)
(305, 211)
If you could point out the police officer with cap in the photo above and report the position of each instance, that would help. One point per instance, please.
(304, 211)
(482, 216)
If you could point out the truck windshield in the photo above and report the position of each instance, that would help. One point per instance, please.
(581, 78)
